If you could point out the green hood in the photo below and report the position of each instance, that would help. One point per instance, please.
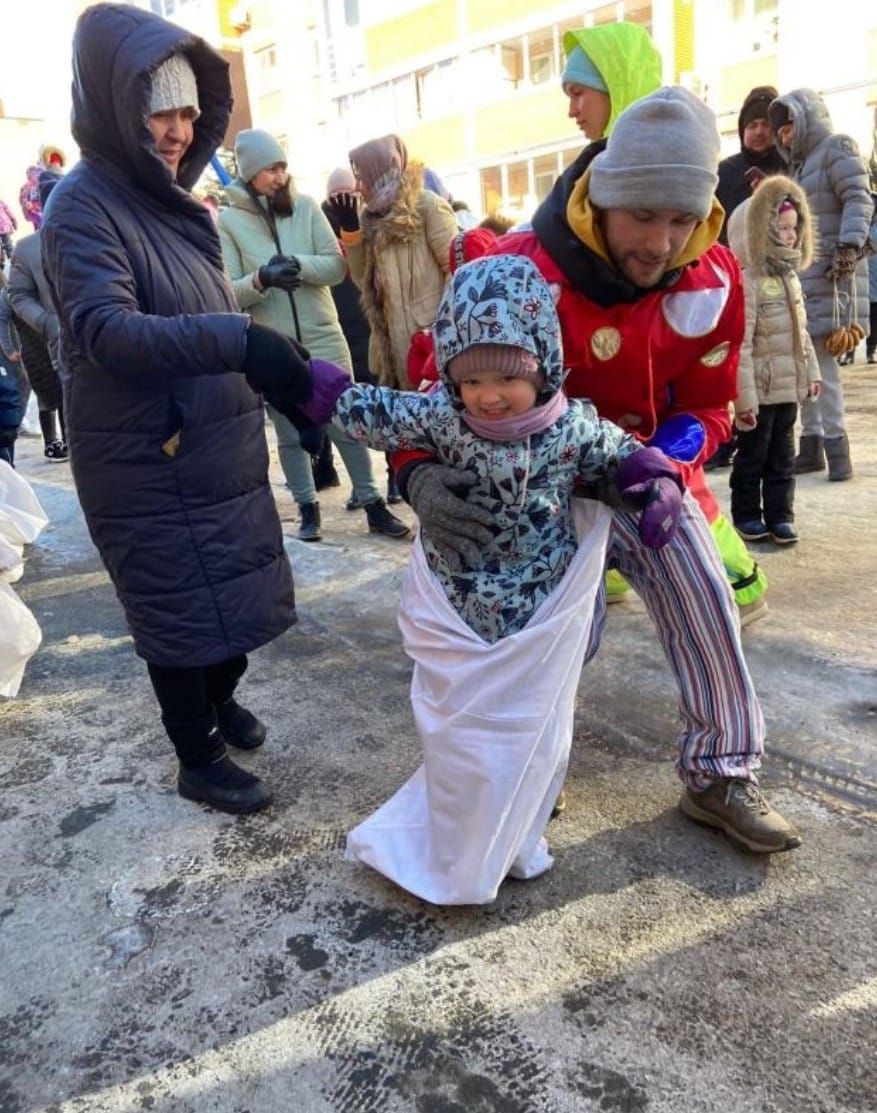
(627, 60)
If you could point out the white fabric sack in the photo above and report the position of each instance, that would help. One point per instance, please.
(21, 521)
(496, 725)
(20, 637)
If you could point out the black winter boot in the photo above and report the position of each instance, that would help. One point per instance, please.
(310, 522)
(323, 467)
(393, 496)
(380, 520)
(811, 454)
(837, 450)
(239, 727)
(223, 785)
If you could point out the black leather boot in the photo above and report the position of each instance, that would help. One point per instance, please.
(224, 786)
(811, 454)
(837, 452)
(207, 774)
(380, 520)
(310, 522)
(239, 727)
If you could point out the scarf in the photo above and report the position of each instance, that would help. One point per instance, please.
(516, 428)
(379, 165)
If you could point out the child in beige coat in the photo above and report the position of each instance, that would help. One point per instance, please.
(771, 233)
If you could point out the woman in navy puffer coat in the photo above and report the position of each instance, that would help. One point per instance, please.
(166, 435)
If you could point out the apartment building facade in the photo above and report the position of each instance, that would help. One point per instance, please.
(474, 86)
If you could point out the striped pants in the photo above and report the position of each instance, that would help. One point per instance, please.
(686, 591)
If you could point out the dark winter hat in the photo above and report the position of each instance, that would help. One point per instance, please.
(756, 106)
(779, 114)
(46, 182)
(663, 153)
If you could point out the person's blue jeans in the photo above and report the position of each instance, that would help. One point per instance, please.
(296, 463)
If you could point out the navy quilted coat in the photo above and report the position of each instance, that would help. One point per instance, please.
(153, 348)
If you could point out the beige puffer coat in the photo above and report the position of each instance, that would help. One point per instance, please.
(777, 359)
(400, 264)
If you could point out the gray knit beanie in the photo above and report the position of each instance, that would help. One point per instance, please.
(254, 150)
(663, 153)
(174, 86)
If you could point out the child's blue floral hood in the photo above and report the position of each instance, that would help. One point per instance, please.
(499, 299)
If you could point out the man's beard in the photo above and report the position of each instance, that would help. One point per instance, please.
(281, 200)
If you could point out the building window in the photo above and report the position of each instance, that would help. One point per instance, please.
(266, 58)
(541, 57)
(545, 171)
(607, 14)
(511, 55)
(491, 190)
(437, 90)
(351, 13)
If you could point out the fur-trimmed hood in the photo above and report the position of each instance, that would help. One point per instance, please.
(403, 222)
(749, 224)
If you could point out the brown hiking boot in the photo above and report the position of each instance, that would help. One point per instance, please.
(738, 808)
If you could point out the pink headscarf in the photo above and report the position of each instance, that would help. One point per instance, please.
(379, 165)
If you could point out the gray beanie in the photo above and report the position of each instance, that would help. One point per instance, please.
(663, 153)
(174, 86)
(254, 150)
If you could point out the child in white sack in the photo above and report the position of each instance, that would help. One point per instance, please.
(497, 649)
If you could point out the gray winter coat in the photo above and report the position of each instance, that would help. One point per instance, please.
(29, 293)
(777, 359)
(832, 174)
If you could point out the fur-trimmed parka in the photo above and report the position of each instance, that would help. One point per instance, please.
(400, 264)
(777, 359)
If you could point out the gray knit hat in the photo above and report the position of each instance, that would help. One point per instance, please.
(663, 153)
(254, 150)
(174, 86)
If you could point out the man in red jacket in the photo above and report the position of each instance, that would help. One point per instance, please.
(651, 311)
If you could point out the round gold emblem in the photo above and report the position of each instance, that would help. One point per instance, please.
(771, 287)
(717, 355)
(605, 342)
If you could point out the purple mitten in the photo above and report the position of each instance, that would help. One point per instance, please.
(648, 480)
(330, 382)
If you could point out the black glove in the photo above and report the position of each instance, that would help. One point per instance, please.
(281, 271)
(345, 209)
(845, 260)
(278, 368)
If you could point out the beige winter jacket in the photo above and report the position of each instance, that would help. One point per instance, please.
(777, 359)
(400, 264)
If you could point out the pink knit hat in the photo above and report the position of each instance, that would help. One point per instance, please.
(501, 359)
